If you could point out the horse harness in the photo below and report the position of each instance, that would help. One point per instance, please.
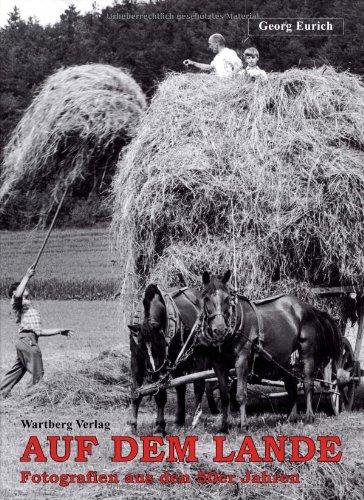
(174, 326)
(257, 342)
(236, 328)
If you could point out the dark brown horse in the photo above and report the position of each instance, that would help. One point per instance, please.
(232, 330)
(156, 343)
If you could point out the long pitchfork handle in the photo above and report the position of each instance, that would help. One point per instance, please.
(50, 229)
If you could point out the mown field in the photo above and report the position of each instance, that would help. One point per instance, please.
(76, 263)
(87, 377)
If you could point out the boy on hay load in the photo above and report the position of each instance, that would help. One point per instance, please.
(252, 71)
(226, 62)
(29, 356)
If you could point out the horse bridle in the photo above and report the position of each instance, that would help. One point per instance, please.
(233, 330)
(174, 326)
(153, 370)
(207, 317)
(212, 316)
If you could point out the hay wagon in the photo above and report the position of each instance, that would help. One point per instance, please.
(327, 386)
(269, 173)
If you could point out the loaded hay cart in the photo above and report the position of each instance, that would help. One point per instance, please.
(288, 155)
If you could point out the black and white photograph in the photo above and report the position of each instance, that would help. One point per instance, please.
(182, 249)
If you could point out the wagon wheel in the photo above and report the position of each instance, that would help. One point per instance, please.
(341, 396)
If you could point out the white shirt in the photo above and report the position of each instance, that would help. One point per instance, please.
(254, 72)
(225, 62)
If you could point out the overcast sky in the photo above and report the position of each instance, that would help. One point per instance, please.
(46, 11)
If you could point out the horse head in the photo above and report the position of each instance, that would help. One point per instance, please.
(153, 327)
(217, 307)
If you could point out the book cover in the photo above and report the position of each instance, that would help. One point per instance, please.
(182, 250)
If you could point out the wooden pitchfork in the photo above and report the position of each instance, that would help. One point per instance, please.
(50, 228)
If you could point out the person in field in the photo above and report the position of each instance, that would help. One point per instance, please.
(226, 63)
(252, 71)
(29, 356)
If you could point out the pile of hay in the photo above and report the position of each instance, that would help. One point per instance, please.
(79, 120)
(102, 382)
(287, 155)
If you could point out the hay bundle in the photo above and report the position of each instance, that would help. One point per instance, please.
(79, 120)
(288, 155)
(101, 382)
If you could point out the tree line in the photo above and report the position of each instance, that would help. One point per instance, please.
(153, 38)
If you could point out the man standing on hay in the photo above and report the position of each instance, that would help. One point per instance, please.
(226, 62)
(29, 356)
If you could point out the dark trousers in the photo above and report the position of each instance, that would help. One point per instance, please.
(29, 358)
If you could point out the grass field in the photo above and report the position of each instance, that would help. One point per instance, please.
(87, 377)
(77, 363)
(76, 263)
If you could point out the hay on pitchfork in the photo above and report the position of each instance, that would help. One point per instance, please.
(288, 155)
(79, 120)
